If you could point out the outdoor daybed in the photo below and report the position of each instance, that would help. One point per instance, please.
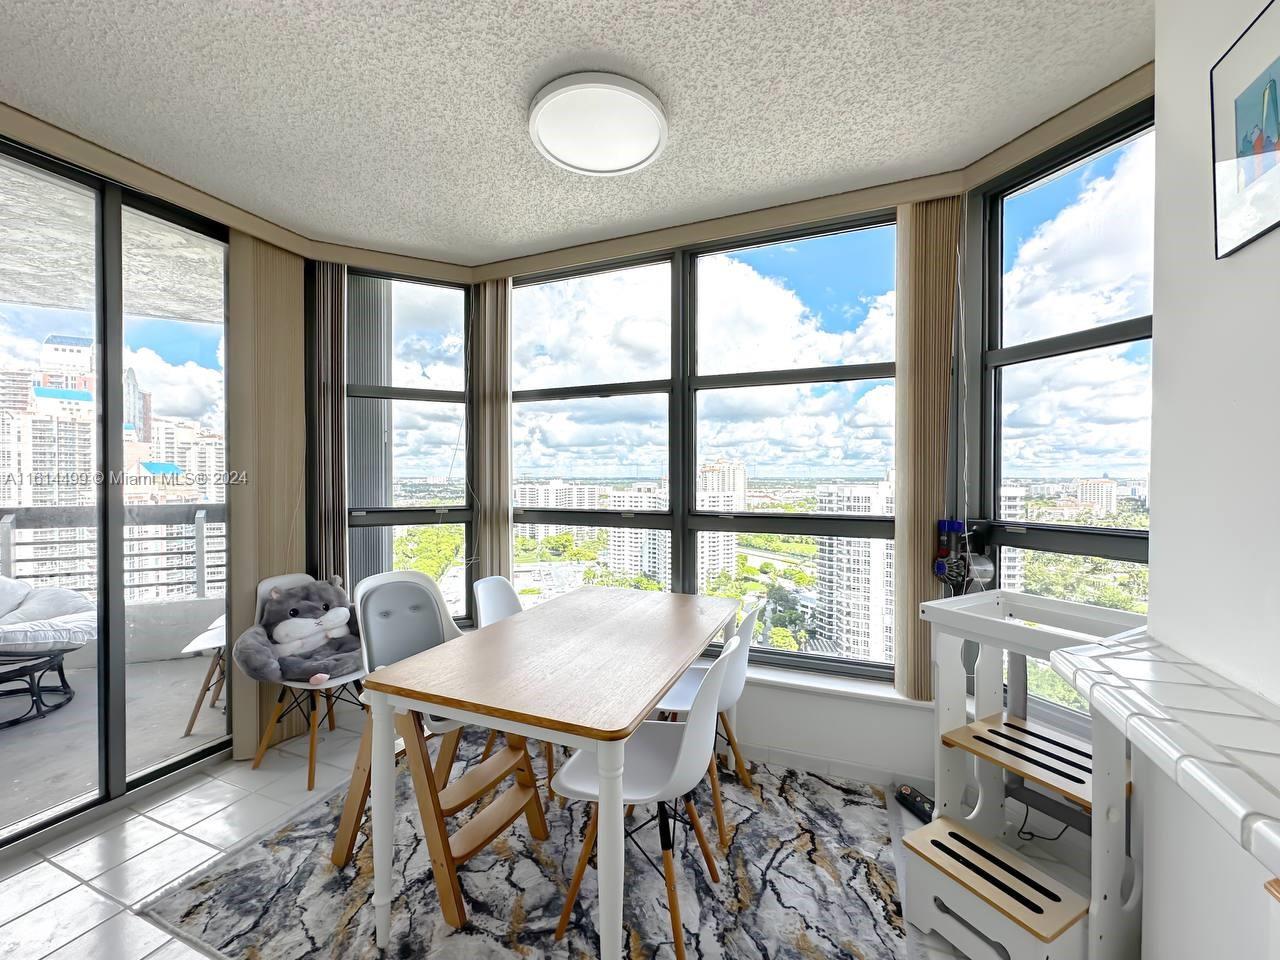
(38, 627)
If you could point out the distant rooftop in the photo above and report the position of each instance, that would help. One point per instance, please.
(62, 340)
(57, 393)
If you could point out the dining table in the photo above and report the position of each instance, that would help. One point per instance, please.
(584, 669)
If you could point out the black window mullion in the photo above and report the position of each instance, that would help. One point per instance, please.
(840, 373)
(377, 392)
(1092, 338)
(595, 391)
(677, 491)
(111, 667)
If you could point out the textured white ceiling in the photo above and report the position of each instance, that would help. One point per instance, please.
(401, 125)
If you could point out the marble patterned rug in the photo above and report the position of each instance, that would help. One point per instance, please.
(809, 873)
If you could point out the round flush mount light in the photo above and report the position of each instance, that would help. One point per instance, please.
(599, 124)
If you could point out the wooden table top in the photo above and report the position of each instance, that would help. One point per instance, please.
(594, 662)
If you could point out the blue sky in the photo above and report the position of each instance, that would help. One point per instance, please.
(1025, 211)
(175, 341)
(833, 275)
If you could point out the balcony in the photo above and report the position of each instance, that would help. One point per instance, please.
(175, 578)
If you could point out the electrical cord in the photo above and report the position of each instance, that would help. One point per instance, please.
(1025, 834)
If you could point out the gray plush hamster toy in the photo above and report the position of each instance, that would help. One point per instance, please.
(308, 633)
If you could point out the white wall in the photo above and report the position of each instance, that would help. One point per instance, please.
(1215, 592)
(1215, 595)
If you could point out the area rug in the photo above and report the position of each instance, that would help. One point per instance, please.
(809, 873)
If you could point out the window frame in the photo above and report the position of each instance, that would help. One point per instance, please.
(464, 513)
(111, 199)
(982, 355)
(976, 478)
(681, 517)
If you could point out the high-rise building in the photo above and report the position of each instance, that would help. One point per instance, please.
(555, 494)
(1013, 506)
(1099, 495)
(636, 551)
(137, 407)
(15, 389)
(721, 488)
(854, 613)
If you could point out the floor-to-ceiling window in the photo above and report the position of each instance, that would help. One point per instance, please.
(719, 420)
(1067, 373)
(112, 523)
(793, 427)
(173, 420)
(590, 460)
(410, 504)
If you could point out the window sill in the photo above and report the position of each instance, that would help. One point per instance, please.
(831, 685)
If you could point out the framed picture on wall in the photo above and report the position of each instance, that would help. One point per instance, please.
(1243, 88)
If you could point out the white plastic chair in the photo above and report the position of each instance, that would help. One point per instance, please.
(665, 762)
(401, 613)
(496, 599)
(679, 699)
(303, 696)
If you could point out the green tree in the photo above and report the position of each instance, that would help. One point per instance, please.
(783, 639)
(430, 549)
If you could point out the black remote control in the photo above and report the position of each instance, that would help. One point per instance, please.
(916, 802)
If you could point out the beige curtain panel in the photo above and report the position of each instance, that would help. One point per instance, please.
(929, 236)
(491, 379)
(329, 517)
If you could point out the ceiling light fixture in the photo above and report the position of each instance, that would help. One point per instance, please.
(599, 124)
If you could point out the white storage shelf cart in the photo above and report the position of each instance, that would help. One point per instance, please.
(964, 878)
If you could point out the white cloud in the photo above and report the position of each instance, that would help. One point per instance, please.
(1078, 415)
(607, 437)
(604, 328)
(427, 325)
(1092, 262)
(1088, 413)
(179, 390)
(840, 430)
(748, 321)
(616, 327)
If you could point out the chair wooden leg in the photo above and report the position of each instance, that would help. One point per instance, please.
(669, 871)
(221, 680)
(692, 813)
(533, 811)
(344, 843)
(204, 688)
(716, 805)
(488, 745)
(588, 844)
(631, 808)
(549, 754)
(743, 776)
(328, 702)
(409, 726)
(270, 728)
(315, 730)
(447, 754)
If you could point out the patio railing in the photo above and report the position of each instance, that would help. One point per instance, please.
(171, 551)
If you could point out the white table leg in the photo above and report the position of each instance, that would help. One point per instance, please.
(382, 815)
(609, 844)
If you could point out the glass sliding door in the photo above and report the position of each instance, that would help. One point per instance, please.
(49, 454)
(113, 521)
(174, 542)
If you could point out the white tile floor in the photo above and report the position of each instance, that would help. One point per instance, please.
(75, 897)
